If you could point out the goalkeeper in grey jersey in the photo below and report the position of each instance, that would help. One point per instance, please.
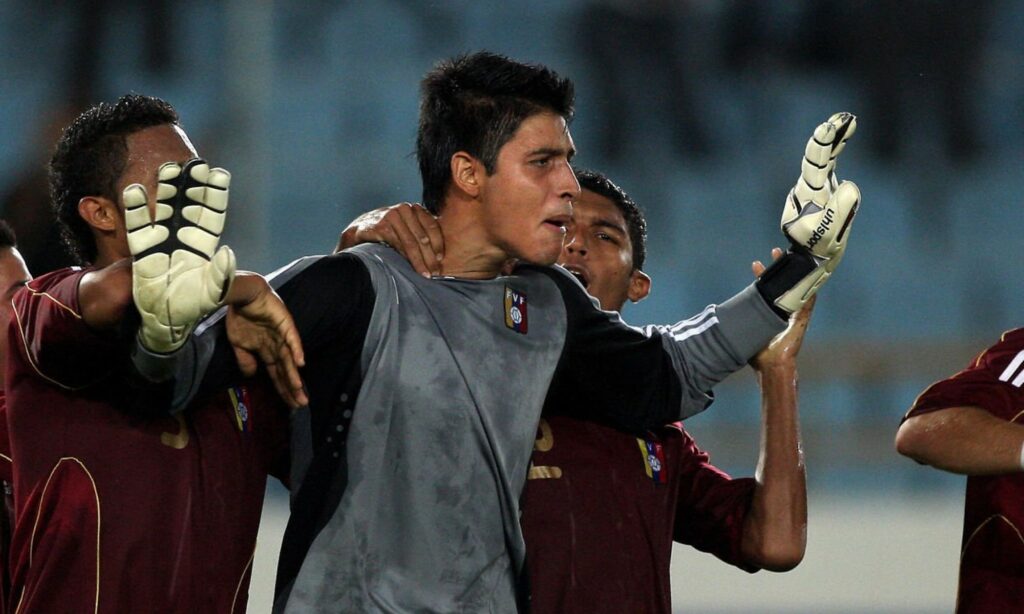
(425, 393)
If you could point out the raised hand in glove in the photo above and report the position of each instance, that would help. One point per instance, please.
(816, 219)
(178, 274)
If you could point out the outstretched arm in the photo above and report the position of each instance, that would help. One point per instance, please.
(966, 440)
(775, 530)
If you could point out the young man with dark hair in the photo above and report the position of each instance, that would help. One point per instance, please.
(425, 394)
(601, 507)
(120, 506)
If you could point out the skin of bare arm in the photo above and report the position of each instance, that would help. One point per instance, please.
(965, 440)
(775, 530)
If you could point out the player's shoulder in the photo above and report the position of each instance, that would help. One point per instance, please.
(48, 280)
(572, 291)
(1009, 348)
(60, 286)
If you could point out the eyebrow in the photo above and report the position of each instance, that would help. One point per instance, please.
(553, 151)
(604, 223)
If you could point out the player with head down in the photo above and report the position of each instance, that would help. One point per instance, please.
(121, 507)
(425, 394)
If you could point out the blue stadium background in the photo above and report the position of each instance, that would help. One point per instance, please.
(699, 109)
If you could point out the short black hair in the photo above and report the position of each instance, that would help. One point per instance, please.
(90, 157)
(636, 224)
(7, 238)
(475, 103)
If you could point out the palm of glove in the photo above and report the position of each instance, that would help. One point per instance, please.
(179, 276)
(820, 209)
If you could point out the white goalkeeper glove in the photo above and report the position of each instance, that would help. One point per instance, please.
(816, 219)
(178, 274)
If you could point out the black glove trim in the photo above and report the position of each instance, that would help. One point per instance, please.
(783, 274)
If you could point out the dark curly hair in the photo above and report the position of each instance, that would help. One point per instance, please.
(600, 184)
(475, 103)
(90, 157)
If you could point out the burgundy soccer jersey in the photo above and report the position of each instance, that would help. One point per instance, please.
(992, 556)
(601, 509)
(116, 511)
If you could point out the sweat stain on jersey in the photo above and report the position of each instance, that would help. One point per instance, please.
(654, 460)
(515, 310)
(240, 401)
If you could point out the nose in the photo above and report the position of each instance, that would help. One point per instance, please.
(570, 186)
(576, 243)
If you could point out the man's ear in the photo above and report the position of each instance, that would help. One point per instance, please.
(467, 173)
(639, 286)
(99, 212)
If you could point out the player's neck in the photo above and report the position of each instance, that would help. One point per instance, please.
(468, 252)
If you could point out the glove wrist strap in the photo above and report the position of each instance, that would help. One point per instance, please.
(783, 274)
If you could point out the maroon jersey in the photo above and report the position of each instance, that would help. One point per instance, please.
(116, 511)
(992, 555)
(601, 509)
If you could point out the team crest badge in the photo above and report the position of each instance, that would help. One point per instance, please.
(240, 401)
(515, 310)
(654, 460)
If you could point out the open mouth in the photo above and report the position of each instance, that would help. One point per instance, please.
(560, 222)
(579, 274)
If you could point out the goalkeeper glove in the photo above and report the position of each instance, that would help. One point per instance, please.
(178, 274)
(816, 219)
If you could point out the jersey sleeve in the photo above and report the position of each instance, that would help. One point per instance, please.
(638, 379)
(323, 293)
(609, 371)
(48, 329)
(717, 342)
(712, 507)
(992, 382)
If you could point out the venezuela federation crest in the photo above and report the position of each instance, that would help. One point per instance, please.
(515, 310)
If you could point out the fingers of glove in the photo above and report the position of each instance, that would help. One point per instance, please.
(845, 125)
(207, 219)
(212, 196)
(199, 239)
(220, 274)
(168, 171)
(791, 210)
(136, 213)
(846, 201)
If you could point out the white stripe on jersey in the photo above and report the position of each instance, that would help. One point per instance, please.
(1012, 368)
(694, 321)
(686, 334)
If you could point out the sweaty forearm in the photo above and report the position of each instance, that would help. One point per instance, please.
(965, 440)
(775, 530)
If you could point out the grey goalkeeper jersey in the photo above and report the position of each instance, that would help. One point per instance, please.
(424, 401)
(455, 374)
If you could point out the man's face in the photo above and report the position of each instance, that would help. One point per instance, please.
(148, 149)
(527, 202)
(13, 275)
(599, 253)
